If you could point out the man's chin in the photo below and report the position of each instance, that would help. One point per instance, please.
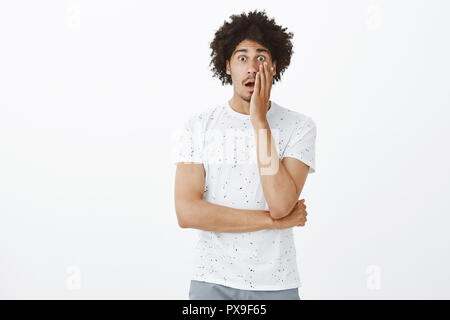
(247, 97)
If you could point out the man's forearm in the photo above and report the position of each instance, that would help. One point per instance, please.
(278, 186)
(204, 215)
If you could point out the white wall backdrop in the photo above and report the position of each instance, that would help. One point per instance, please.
(91, 91)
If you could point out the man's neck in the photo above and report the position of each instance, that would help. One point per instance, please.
(242, 106)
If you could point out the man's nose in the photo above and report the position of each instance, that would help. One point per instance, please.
(253, 67)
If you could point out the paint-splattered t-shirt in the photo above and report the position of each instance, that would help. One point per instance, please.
(224, 141)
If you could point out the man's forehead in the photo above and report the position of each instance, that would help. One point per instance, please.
(250, 48)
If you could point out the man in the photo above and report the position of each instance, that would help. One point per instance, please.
(241, 167)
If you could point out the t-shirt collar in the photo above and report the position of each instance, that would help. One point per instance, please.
(247, 116)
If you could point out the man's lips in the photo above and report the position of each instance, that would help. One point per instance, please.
(250, 85)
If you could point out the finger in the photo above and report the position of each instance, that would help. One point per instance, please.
(257, 84)
(272, 71)
(268, 79)
(262, 78)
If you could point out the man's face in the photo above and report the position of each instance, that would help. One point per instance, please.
(243, 65)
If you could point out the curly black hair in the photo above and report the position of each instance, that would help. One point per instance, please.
(254, 26)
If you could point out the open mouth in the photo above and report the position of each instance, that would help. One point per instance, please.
(250, 86)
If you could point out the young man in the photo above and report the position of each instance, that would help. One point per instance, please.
(241, 167)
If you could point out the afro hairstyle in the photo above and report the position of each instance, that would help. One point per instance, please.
(254, 26)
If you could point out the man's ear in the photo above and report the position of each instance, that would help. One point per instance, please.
(228, 70)
(274, 65)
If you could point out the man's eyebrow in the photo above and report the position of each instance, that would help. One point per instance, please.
(257, 50)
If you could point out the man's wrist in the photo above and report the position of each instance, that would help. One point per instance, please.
(259, 123)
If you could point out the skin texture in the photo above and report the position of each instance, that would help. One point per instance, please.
(282, 181)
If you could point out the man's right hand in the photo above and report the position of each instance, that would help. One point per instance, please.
(297, 217)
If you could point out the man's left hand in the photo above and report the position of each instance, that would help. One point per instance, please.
(259, 102)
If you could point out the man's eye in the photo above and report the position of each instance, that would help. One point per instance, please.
(258, 58)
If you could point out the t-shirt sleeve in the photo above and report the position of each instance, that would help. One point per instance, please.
(188, 142)
(302, 145)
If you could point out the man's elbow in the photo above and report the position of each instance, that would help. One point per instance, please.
(182, 223)
(182, 218)
(183, 212)
(280, 213)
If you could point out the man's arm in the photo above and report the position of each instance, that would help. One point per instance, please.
(194, 212)
(282, 181)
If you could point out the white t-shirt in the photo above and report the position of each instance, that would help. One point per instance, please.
(224, 141)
